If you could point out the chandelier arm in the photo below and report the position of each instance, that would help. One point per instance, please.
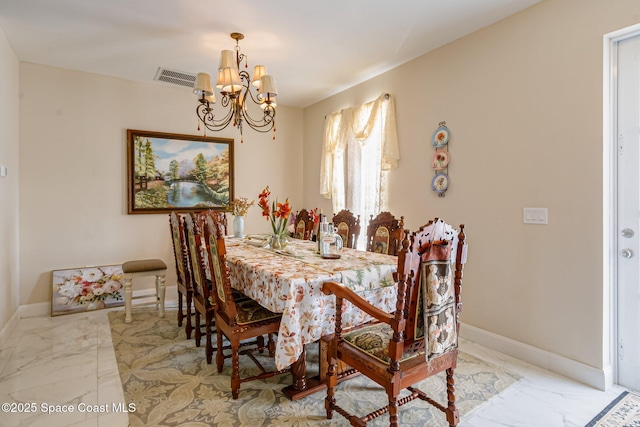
(239, 58)
(226, 99)
(266, 122)
(242, 115)
(254, 99)
(207, 117)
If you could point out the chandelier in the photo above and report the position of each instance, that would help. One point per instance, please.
(236, 92)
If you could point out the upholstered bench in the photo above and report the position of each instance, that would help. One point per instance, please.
(140, 268)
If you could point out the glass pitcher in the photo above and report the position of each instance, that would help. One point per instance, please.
(330, 244)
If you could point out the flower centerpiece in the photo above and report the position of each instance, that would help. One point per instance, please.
(277, 214)
(239, 208)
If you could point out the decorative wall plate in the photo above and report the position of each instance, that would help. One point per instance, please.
(440, 137)
(440, 160)
(440, 182)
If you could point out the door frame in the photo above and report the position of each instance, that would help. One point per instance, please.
(609, 203)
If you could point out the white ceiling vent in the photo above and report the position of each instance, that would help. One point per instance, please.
(180, 78)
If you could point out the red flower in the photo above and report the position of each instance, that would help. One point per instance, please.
(265, 193)
(313, 214)
(276, 210)
(284, 210)
(263, 202)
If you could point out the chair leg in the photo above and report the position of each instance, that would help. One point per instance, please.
(453, 417)
(393, 412)
(271, 345)
(219, 353)
(180, 315)
(189, 327)
(235, 369)
(209, 345)
(330, 400)
(198, 331)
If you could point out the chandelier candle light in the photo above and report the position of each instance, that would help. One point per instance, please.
(236, 89)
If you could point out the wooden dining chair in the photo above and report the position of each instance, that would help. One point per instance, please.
(384, 233)
(238, 321)
(221, 218)
(201, 274)
(348, 227)
(182, 271)
(393, 351)
(202, 304)
(303, 225)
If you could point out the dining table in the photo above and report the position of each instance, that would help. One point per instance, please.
(289, 281)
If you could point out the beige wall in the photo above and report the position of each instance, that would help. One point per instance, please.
(9, 99)
(523, 101)
(73, 186)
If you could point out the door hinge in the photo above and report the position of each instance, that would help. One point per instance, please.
(620, 350)
(620, 145)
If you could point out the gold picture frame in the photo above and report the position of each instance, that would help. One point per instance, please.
(173, 172)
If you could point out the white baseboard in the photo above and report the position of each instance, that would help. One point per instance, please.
(34, 310)
(44, 308)
(9, 326)
(601, 379)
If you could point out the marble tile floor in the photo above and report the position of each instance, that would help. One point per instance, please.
(52, 363)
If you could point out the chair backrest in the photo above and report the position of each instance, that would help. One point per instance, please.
(195, 253)
(220, 218)
(384, 233)
(222, 292)
(180, 249)
(434, 250)
(348, 227)
(303, 225)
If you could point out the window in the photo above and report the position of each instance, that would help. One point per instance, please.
(360, 147)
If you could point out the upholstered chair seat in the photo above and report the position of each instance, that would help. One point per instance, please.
(249, 311)
(374, 340)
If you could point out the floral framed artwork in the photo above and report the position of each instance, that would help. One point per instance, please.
(86, 288)
(171, 172)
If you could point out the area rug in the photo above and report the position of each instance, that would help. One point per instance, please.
(623, 411)
(171, 384)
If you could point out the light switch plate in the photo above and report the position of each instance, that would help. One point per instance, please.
(534, 216)
(3, 170)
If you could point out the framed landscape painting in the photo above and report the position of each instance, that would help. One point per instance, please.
(172, 172)
(86, 288)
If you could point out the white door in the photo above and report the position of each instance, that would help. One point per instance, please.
(628, 209)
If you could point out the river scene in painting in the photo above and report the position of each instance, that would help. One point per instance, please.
(179, 174)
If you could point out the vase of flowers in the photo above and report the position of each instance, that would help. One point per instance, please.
(239, 208)
(278, 215)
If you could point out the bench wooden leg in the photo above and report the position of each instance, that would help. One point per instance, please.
(160, 291)
(142, 268)
(128, 296)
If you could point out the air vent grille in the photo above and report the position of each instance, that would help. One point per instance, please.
(180, 78)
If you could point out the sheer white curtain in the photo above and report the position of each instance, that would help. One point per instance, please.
(360, 146)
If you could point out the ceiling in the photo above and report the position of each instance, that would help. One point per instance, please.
(314, 49)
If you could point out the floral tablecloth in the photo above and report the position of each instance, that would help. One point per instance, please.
(290, 282)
